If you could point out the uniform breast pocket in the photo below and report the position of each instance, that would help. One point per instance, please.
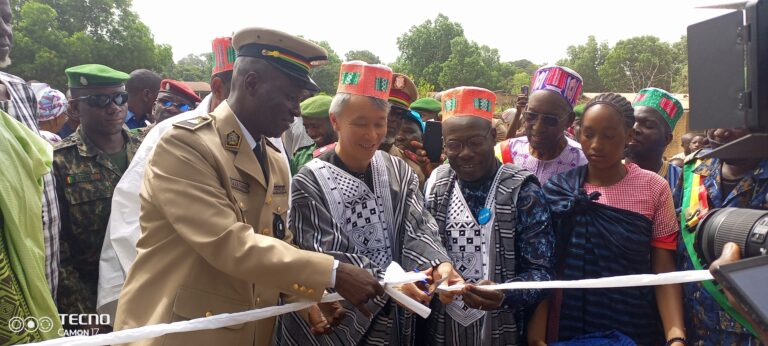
(89, 202)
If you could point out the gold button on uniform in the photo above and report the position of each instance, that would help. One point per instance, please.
(295, 287)
(208, 314)
(303, 289)
(311, 291)
(242, 205)
(269, 200)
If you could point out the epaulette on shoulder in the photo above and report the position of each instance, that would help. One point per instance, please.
(69, 141)
(194, 123)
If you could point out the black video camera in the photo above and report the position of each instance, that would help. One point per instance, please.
(728, 85)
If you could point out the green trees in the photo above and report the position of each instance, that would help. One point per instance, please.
(424, 49)
(51, 35)
(438, 56)
(363, 55)
(586, 59)
(637, 63)
(193, 67)
(631, 64)
(327, 76)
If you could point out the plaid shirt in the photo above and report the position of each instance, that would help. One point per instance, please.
(645, 193)
(22, 106)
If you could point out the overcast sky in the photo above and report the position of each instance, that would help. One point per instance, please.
(538, 30)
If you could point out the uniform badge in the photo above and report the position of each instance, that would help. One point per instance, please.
(82, 178)
(233, 140)
(167, 86)
(278, 227)
(484, 216)
(240, 185)
(192, 124)
(279, 190)
(83, 80)
(399, 82)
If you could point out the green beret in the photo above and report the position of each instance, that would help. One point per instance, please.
(426, 104)
(93, 76)
(579, 110)
(316, 106)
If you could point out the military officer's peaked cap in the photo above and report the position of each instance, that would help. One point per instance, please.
(94, 76)
(293, 55)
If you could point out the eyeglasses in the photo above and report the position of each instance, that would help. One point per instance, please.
(473, 143)
(103, 100)
(546, 119)
(180, 106)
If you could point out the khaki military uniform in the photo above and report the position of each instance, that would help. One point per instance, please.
(85, 179)
(210, 224)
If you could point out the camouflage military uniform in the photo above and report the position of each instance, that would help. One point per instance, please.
(85, 180)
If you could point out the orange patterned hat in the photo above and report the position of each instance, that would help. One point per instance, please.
(468, 101)
(361, 78)
(223, 55)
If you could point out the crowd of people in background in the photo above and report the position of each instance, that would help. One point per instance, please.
(130, 195)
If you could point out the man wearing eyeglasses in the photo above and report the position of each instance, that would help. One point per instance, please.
(487, 240)
(174, 98)
(87, 166)
(545, 150)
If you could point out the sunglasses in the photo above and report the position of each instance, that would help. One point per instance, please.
(474, 144)
(547, 120)
(180, 106)
(103, 100)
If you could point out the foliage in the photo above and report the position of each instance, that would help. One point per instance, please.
(363, 55)
(193, 67)
(586, 59)
(467, 65)
(637, 63)
(52, 35)
(426, 47)
(327, 76)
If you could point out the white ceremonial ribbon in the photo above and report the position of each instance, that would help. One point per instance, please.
(394, 276)
(610, 282)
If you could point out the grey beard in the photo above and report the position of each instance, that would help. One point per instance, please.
(5, 62)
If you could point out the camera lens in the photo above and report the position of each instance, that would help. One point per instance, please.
(748, 228)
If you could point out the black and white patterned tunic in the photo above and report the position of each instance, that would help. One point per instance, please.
(520, 247)
(338, 214)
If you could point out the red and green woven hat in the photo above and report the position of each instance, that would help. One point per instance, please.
(670, 107)
(361, 78)
(468, 101)
(224, 55)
